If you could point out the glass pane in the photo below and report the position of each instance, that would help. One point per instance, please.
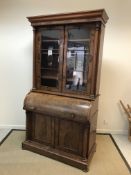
(53, 45)
(78, 47)
(51, 34)
(80, 32)
(50, 45)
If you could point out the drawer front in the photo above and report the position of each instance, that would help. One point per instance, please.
(69, 136)
(43, 131)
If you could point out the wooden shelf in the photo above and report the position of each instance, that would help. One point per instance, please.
(73, 54)
(79, 40)
(52, 53)
(52, 69)
(47, 49)
(49, 77)
(45, 40)
(75, 49)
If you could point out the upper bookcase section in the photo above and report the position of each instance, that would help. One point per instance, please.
(67, 18)
(68, 52)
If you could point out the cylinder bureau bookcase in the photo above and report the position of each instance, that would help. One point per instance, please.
(62, 107)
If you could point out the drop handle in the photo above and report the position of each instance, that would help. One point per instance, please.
(72, 115)
(32, 107)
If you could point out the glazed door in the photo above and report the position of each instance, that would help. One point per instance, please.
(78, 58)
(49, 57)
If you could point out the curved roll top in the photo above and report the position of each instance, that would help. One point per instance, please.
(58, 106)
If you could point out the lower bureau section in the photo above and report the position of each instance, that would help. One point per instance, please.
(61, 128)
(70, 159)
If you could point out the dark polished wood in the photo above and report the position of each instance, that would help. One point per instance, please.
(82, 16)
(62, 107)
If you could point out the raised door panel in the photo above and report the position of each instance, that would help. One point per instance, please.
(43, 131)
(49, 57)
(69, 136)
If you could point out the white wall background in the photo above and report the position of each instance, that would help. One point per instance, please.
(16, 58)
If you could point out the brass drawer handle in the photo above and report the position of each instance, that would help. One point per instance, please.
(32, 108)
(72, 115)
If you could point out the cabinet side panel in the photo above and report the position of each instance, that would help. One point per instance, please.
(99, 61)
(93, 124)
(34, 57)
(29, 125)
(94, 60)
(37, 59)
(92, 139)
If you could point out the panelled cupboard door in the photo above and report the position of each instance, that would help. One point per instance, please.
(49, 57)
(43, 131)
(69, 136)
(65, 135)
(78, 58)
